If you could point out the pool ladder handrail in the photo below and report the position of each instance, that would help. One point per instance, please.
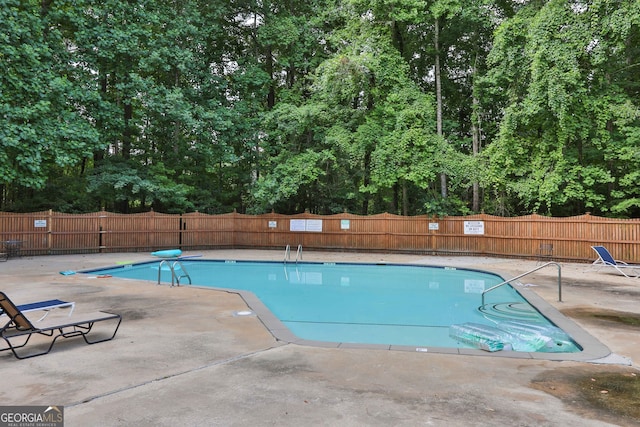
(287, 253)
(527, 273)
(175, 278)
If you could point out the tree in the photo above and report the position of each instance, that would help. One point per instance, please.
(363, 109)
(567, 118)
(43, 128)
(409, 106)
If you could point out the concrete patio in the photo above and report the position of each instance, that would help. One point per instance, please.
(183, 357)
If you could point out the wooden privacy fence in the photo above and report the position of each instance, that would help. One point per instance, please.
(43, 233)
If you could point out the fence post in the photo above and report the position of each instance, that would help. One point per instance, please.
(49, 232)
(483, 238)
(432, 233)
(101, 219)
(234, 228)
(180, 225)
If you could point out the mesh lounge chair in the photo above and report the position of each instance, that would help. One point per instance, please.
(606, 260)
(18, 328)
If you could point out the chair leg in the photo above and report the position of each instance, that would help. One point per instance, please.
(11, 346)
(20, 356)
(88, 341)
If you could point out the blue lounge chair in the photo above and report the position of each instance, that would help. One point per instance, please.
(16, 329)
(606, 260)
(45, 306)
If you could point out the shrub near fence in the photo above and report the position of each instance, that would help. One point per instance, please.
(43, 233)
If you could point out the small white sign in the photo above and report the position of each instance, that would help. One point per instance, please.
(434, 226)
(273, 224)
(314, 225)
(345, 224)
(474, 227)
(40, 223)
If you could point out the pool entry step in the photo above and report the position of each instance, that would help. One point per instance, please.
(177, 271)
(287, 254)
(171, 262)
(510, 311)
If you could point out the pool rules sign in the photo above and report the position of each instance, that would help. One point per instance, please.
(474, 227)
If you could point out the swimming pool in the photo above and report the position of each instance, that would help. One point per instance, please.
(386, 304)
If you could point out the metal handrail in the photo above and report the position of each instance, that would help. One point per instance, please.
(175, 279)
(164, 261)
(299, 253)
(178, 277)
(529, 272)
(287, 254)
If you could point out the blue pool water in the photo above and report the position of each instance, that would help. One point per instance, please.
(362, 303)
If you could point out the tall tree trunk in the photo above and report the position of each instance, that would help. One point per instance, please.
(405, 198)
(395, 201)
(127, 134)
(367, 155)
(366, 181)
(271, 96)
(476, 129)
(436, 39)
(475, 132)
(98, 155)
(177, 123)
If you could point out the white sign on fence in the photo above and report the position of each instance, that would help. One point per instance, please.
(297, 224)
(314, 225)
(474, 227)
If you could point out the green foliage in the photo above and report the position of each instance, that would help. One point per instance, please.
(561, 141)
(41, 120)
(290, 175)
(125, 181)
(407, 147)
(325, 105)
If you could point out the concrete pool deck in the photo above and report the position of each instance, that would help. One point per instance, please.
(184, 357)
